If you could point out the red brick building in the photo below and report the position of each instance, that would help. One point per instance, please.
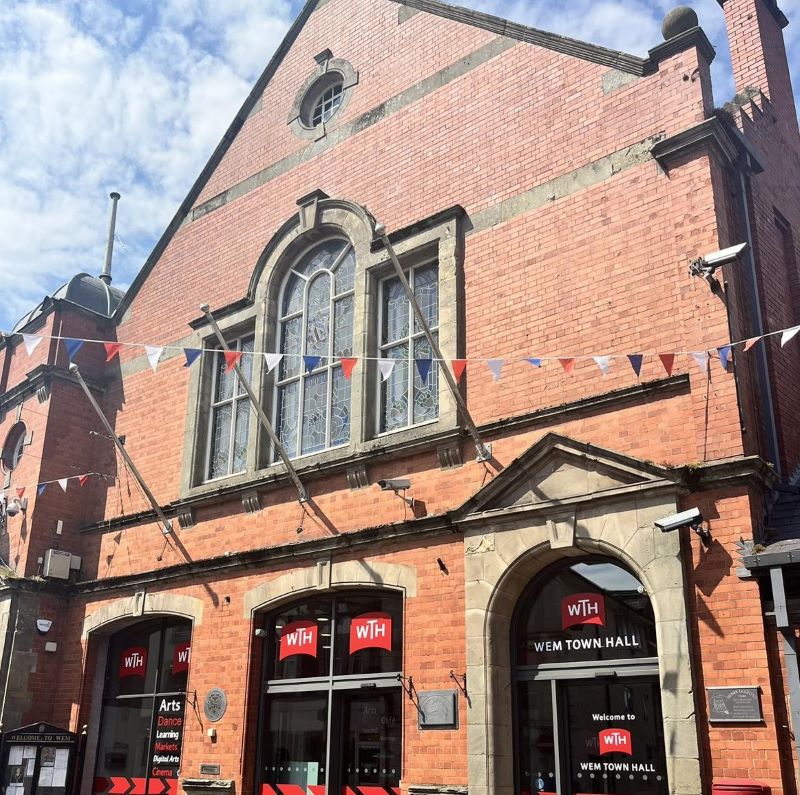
(429, 620)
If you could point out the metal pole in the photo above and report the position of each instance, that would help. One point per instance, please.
(789, 652)
(112, 223)
(166, 524)
(484, 451)
(301, 489)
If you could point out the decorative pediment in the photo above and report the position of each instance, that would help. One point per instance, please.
(558, 470)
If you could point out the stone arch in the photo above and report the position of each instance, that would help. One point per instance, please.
(139, 606)
(324, 575)
(501, 563)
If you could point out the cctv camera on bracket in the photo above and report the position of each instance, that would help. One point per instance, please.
(706, 265)
(691, 518)
(397, 485)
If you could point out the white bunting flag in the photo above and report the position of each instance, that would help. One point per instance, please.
(63, 483)
(788, 334)
(386, 365)
(496, 366)
(153, 355)
(273, 360)
(602, 363)
(31, 341)
(701, 357)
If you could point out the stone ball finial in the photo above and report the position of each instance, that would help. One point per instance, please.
(677, 21)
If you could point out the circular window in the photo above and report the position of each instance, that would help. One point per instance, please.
(13, 447)
(322, 99)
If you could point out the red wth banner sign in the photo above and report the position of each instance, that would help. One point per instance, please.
(371, 631)
(181, 657)
(583, 608)
(133, 662)
(299, 637)
(615, 741)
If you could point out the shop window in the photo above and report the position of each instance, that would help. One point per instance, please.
(587, 696)
(144, 697)
(332, 707)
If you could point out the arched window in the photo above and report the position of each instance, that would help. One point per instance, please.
(144, 702)
(315, 330)
(587, 698)
(332, 703)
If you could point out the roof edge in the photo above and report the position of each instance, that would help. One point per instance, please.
(216, 156)
(615, 59)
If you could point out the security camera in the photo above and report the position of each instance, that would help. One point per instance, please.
(13, 508)
(706, 265)
(688, 518)
(395, 484)
(725, 255)
(691, 518)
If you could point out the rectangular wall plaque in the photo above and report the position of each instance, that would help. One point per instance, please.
(438, 709)
(209, 770)
(734, 704)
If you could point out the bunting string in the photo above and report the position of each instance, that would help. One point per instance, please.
(155, 354)
(63, 483)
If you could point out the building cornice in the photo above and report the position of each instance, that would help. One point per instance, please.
(689, 39)
(42, 376)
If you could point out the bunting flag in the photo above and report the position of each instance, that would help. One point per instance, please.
(701, 357)
(423, 368)
(41, 488)
(458, 365)
(568, 365)
(82, 479)
(668, 360)
(21, 492)
(72, 346)
(273, 360)
(231, 359)
(789, 334)
(31, 341)
(311, 362)
(752, 341)
(386, 366)
(348, 365)
(153, 355)
(534, 362)
(191, 354)
(112, 349)
(602, 363)
(636, 362)
(724, 356)
(496, 366)
(63, 483)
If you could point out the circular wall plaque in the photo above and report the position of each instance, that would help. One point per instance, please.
(215, 704)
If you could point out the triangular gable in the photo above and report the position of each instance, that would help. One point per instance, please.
(558, 469)
(563, 44)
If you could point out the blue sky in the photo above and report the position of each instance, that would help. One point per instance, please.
(133, 95)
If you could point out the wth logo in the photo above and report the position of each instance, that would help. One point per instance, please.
(583, 608)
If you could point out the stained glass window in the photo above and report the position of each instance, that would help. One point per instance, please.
(404, 398)
(313, 408)
(230, 415)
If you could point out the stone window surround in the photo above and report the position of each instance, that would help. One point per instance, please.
(319, 218)
(503, 556)
(302, 106)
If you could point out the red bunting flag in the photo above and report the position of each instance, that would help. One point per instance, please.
(21, 492)
(752, 341)
(568, 365)
(112, 349)
(82, 479)
(231, 359)
(458, 365)
(668, 360)
(348, 365)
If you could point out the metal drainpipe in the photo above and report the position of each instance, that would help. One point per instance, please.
(761, 352)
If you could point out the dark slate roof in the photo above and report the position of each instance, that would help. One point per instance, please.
(783, 517)
(88, 292)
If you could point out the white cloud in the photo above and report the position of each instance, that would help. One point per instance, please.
(101, 95)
